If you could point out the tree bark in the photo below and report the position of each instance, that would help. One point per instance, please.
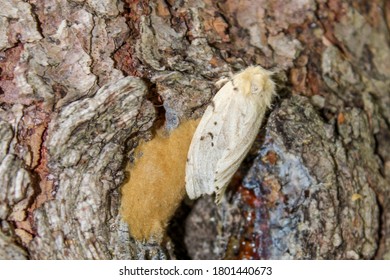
(82, 82)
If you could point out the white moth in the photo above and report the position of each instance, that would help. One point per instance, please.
(227, 131)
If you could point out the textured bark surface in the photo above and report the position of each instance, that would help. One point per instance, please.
(83, 81)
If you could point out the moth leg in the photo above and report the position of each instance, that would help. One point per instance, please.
(221, 82)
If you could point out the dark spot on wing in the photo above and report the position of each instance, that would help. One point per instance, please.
(201, 138)
(211, 135)
(212, 144)
(235, 88)
(215, 123)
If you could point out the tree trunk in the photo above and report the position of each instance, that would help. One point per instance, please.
(82, 82)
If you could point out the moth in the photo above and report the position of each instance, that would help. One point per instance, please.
(227, 131)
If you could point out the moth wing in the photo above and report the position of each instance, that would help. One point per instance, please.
(202, 157)
(236, 113)
(245, 122)
(205, 148)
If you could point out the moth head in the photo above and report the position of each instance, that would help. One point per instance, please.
(257, 84)
(255, 81)
(261, 83)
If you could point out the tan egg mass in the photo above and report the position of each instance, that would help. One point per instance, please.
(157, 182)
